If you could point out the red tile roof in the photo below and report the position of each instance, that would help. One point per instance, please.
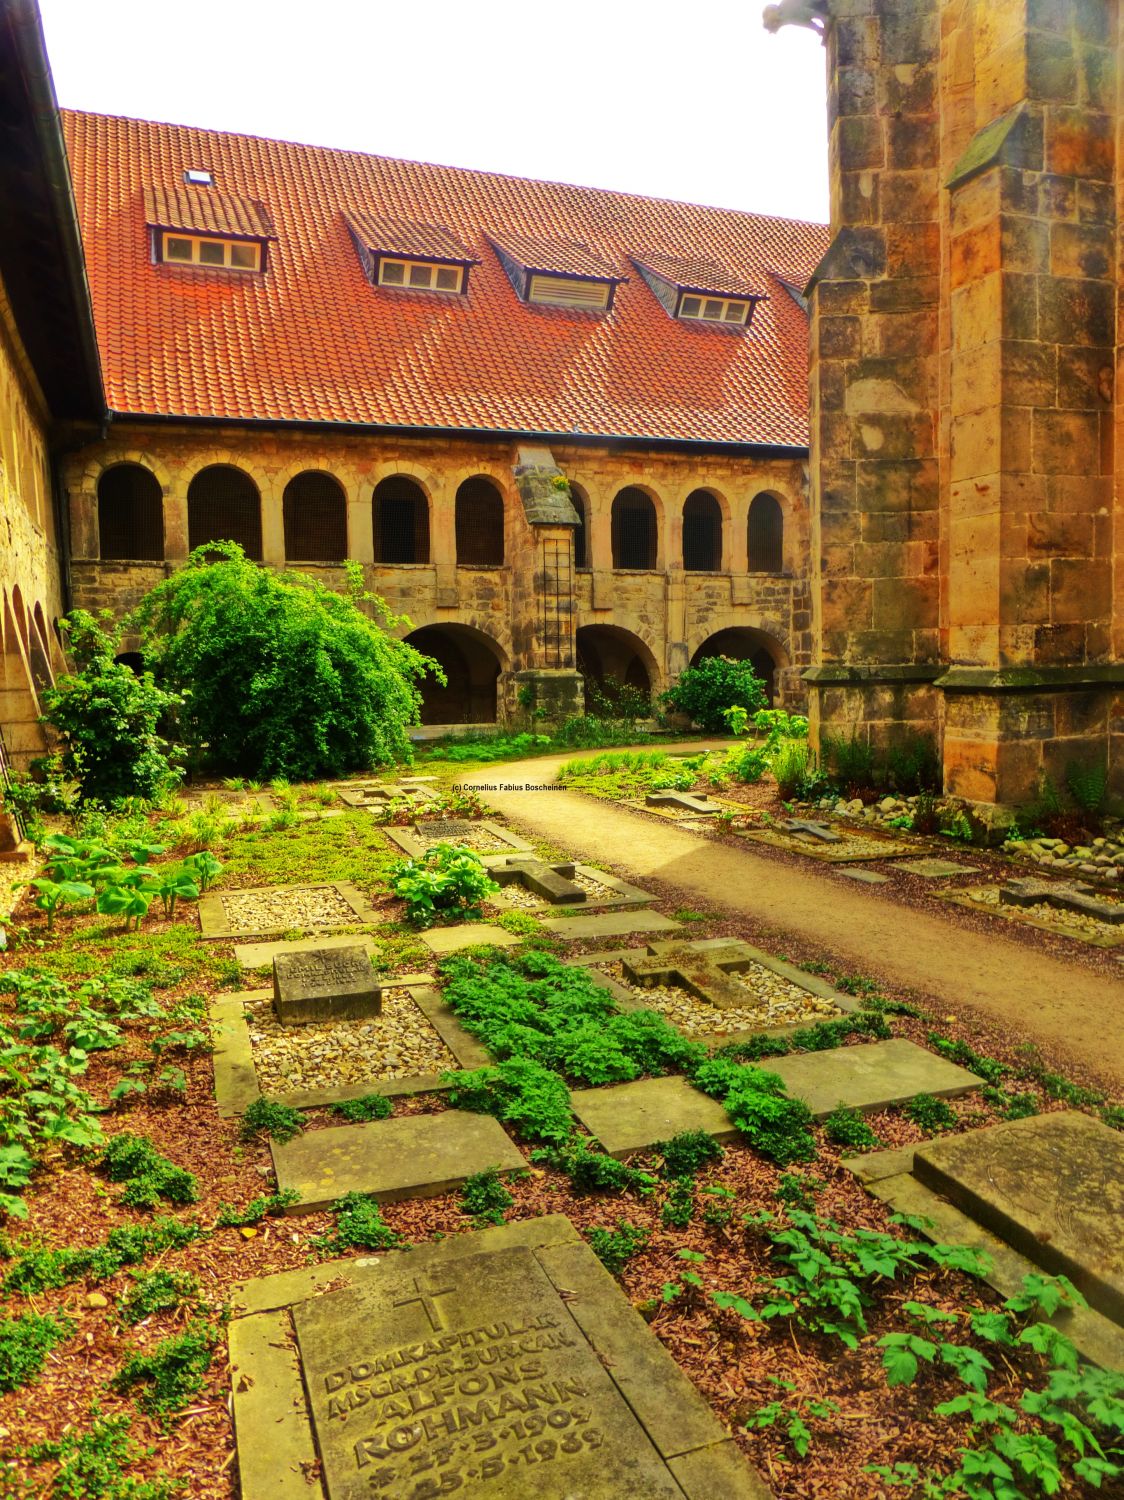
(408, 238)
(559, 257)
(203, 210)
(696, 274)
(311, 340)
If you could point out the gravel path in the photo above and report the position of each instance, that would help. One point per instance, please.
(398, 1044)
(770, 1001)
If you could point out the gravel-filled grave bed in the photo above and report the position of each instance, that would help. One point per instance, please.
(518, 895)
(301, 906)
(401, 1043)
(770, 1001)
(1053, 916)
(480, 843)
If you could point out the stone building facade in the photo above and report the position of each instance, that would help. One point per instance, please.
(967, 520)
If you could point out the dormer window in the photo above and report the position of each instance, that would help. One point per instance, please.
(409, 255)
(198, 177)
(697, 290)
(229, 255)
(556, 273)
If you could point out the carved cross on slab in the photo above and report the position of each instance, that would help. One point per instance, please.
(1078, 898)
(428, 1304)
(703, 973)
(554, 883)
(805, 828)
(686, 800)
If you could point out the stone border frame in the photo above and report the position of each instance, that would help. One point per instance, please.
(268, 1384)
(416, 847)
(888, 1176)
(213, 923)
(685, 814)
(354, 795)
(968, 898)
(627, 895)
(810, 982)
(794, 845)
(236, 1079)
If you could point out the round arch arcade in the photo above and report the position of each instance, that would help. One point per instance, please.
(472, 663)
(742, 643)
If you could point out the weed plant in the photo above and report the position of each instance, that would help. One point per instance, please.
(359, 1226)
(678, 1208)
(614, 1248)
(172, 1373)
(25, 1343)
(591, 1170)
(99, 1463)
(366, 1107)
(230, 1216)
(36, 1268)
(773, 1123)
(148, 1176)
(958, 1052)
(156, 1292)
(846, 1127)
(445, 881)
(266, 1117)
(686, 1154)
(931, 1115)
(521, 1093)
(485, 1197)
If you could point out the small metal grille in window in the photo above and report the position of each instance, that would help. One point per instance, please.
(223, 506)
(634, 530)
(479, 520)
(557, 597)
(131, 514)
(315, 513)
(401, 522)
(702, 533)
(766, 536)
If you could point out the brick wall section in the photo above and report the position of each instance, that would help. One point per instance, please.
(667, 613)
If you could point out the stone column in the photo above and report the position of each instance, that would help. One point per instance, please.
(272, 529)
(175, 525)
(543, 589)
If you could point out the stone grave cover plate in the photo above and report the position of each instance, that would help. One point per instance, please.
(871, 1076)
(470, 1377)
(325, 984)
(446, 828)
(1052, 1186)
(634, 1116)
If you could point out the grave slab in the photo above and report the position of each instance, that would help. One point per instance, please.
(1051, 1186)
(866, 877)
(616, 892)
(808, 828)
(684, 800)
(633, 1116)
(418, 1156)
(852, 844)
(936, 869)
(1082, 899)
(466, 935)
(325, 984)
(568, 1356)
(257, 955)
(610, 924)
(1056, 917)
(703, 973)
(554, 883)
(869, 1077)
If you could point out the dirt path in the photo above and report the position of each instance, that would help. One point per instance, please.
(1042, 998)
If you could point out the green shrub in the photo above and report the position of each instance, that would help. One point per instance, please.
(359, 1225)
(590, 1170)
(171, 1373)
(912, 764)
(230, 1216)
(796, 1190)
(109, 718)
(25, 1343)
(756, 1101)
(157, 1292)
(267, 1117)
(148, 1176)
(930, 1114)
(679, 1206)
(686, 1154)
(717, 683)
(1088, 785)
(520, 1092)
(286, 677)
(95, 1464)
(748, 762)
(366, 1107)
(38, 1269)
(847, 1128)
(961, 1054)
(796, 773)
(614, 1248)
(485, 1197)
(444, 881)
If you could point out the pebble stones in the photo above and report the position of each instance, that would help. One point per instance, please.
(770, 1001)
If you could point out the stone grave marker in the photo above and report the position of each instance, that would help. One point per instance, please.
(325, 984)
(810, 829)
(554, 883)
(686, 801)
(633, 1116)
(446, 828)
(869, 1077)
(702, 973)
(1051, 1186)
(866, 877)
(417, 1156)
(1077, 898)
(610, 924)
(467, 935)
(936, 869)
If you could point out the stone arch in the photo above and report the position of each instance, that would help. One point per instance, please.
(479, 521)
(767, 651)
(703, 532)
(400, 520)
(39, 652)
(636, 529)
(314, 516)
(765, 534)
(582, 555)
(611, 658)
(472, 662)
(224, 504)
(130, 514)
(105, 459)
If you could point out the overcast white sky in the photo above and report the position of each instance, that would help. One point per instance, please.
(696, 102)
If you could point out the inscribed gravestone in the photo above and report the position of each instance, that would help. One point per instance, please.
(471, 1377)
(446, 828)
(325, 984)
(1052, 1186)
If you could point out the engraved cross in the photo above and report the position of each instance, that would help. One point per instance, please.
(429, 1306)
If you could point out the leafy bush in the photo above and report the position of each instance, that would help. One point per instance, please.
(366, 1107)
(679, 1206)
(266, 1117)
(850, 761)
(95, 1464)
(286, 677)
(847, 1128)
(157, 1292)
(755, 1100)
(359, 1225)
(485, 1197)
(445, 880)
(520, 1092)
(686, 1154)
(614, 1248)
(717, 683)
(747, 763)
(912, 764)
(25, 1343)
(590, 1170)
(930, 1114)
(109, 718)
(148, 1176)
(797, 775)
(172, 1372)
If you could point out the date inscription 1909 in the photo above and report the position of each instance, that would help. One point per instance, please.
(463, 1408)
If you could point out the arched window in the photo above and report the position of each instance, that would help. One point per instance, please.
(634, 530)
(223, 505)
(315, 512)
(401, 521)
(766, 536)
(581, 531)
(479, 521)
(131, 514)
(702, 533)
